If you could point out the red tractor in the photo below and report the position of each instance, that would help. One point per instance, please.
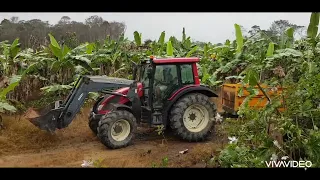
(163, 92)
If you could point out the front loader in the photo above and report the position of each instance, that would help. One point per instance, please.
(60, 114)
(163, 92)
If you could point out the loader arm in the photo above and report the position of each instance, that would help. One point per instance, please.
(60, 114)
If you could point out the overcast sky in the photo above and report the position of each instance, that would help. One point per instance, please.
(213, 27)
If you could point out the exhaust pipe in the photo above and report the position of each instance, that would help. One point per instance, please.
(47, 118)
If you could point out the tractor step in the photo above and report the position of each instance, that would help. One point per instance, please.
(157, 118)
(156, 124)
(157, 107)
(145, 114)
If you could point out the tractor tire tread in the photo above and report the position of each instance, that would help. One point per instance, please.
(176, 117)
(105, 124)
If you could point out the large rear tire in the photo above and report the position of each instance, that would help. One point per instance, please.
(192, 117)
(93, 124)
(117, 129)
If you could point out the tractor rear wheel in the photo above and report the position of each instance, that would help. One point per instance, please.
(93, 124)
(117, 128)
(192, 117)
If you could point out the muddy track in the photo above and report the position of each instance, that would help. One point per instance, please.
(147, 149)
(23, 145)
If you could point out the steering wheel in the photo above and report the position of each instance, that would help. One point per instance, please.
(157, 82)
(175, 79)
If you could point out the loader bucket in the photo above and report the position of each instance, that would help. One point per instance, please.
(45, 118)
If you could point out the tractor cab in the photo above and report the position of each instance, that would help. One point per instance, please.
(162, 79)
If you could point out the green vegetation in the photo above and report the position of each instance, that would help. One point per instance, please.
(272, 57)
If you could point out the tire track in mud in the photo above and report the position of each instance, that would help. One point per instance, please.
(25, 146)
(148, 148)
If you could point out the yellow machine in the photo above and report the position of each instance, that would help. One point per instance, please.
(231, 100)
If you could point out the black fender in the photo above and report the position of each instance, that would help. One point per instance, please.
(116, 106)
(95, 106)
(192, 89)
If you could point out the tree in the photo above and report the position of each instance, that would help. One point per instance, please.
(14, 19)
(94, 21)
(278, 27)
(254, 30)
(33, 33)
(64, 20)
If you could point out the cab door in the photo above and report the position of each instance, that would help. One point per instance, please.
(165, 82)
(145, 80)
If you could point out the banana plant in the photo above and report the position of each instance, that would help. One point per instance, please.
(229, 57)
(5, 106)
(185, 48)
(137, 53)
(112, 57)
(239, 38)
(66, 57)
(312, 30)
(37, 63)
(158, 49)
(9, 61)
(169, 49)
(137, 38)
(66, 60)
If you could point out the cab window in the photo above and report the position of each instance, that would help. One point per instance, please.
(187, 74)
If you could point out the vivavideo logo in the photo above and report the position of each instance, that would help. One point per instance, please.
(290, 164)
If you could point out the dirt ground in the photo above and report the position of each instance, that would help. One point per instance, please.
(23, 145)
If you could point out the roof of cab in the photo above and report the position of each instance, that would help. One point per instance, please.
(175, 60)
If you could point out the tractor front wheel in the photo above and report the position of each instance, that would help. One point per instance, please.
(117, 128)
(192, 117)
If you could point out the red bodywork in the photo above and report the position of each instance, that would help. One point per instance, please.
(124, 100)
(181, 89)
(175, 60)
